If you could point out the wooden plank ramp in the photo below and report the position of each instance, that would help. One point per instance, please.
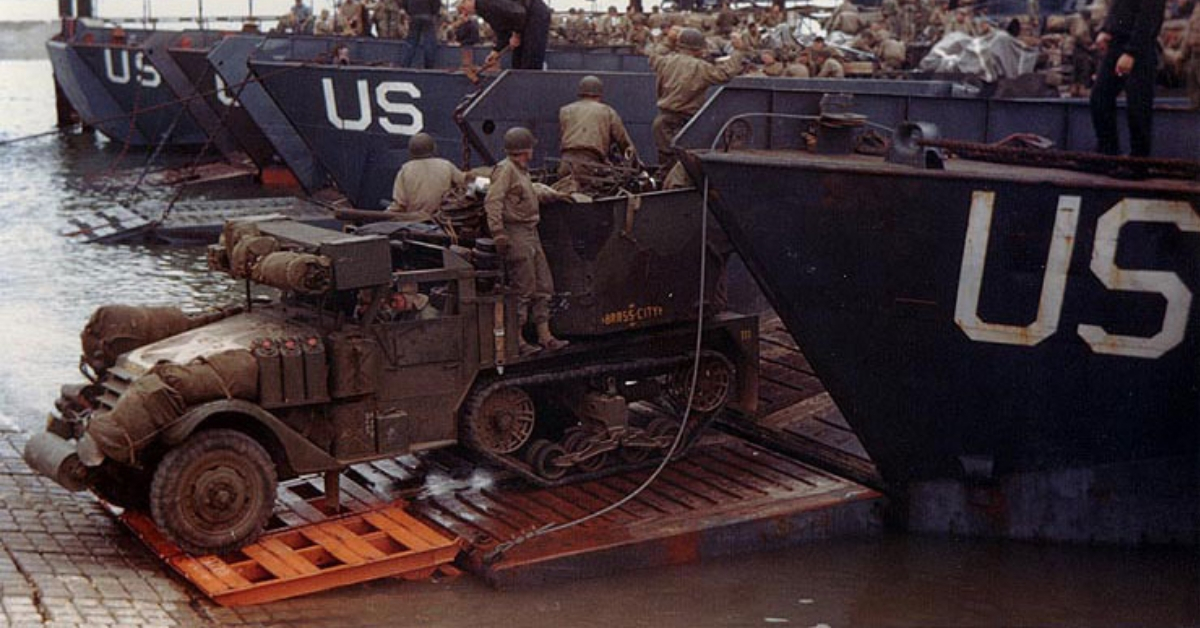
(727, 496)
(312, 557)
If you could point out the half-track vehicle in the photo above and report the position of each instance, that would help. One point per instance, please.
(391, 340)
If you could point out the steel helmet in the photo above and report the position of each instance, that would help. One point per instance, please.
(518, 139)
(692, 39)
(591, 86)
(421, 145)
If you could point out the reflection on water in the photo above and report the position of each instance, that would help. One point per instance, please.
(891, 581)
(49, 286)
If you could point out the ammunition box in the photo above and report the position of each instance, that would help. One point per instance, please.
(358, 261)
(355, 362)
(353, 428)
(391, 431)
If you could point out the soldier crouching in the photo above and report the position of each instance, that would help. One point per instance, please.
(512, 212)
(589, 131)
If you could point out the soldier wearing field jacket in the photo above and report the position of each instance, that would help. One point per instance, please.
(682, 79)
(513, 214)
(589, 131)
(423, 180)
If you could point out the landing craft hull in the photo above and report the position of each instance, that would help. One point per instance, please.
(221, 99)
(94, 104)
(228, 60)
(357, 120)
(992, 335)
(146, 107)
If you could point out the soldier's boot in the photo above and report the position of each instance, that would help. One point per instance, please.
(523, 346)
(527, 348)
(547, 339)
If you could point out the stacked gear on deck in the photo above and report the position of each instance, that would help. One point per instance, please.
(244, 252)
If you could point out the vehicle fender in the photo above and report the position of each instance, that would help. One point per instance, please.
(300, 455)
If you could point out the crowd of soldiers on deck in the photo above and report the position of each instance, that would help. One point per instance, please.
(884, 41)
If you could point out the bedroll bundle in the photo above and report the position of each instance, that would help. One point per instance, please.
(116, 329)
(298, 272)
(248, 252)
(157, 399)
(230, 374)
(146, 407)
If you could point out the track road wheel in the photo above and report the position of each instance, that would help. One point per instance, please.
(635, 455)
(541, 457)
(501, 422)
(575, 441)
(214, 493)
(712, 385)
(663, 427)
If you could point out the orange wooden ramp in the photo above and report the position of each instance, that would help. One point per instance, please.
(305, 559)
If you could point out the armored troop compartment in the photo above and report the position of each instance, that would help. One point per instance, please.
(626, 262)
(378, 345)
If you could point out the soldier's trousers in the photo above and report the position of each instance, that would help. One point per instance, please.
(587, 168)
(531, 54)
(666, 125)
(528, 273)
(1139, 101)
(422, 40)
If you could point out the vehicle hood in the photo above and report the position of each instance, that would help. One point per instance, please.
(235, 332)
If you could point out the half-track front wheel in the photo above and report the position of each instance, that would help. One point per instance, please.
(215, 492)
(501, 422)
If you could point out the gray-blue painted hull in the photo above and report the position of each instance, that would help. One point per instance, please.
(95, 106)
(145, 101)
(229, 60)
(1067, 122)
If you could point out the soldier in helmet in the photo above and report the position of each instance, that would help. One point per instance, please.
(589, 130)
(423, 180)
(682, 80)
(512, 212)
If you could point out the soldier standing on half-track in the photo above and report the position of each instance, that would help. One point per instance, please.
(682, 80)
(423, 180)
(589, 129)
(512, 216)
